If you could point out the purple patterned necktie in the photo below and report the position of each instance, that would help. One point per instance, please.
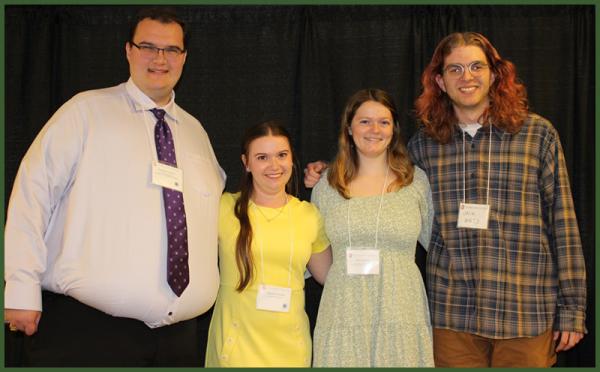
(178, 275)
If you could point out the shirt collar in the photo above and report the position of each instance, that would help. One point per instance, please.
(497, 132)
(141, 102)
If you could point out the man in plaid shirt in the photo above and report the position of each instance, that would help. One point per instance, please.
(505, 269)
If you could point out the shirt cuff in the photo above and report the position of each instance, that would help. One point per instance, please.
(572, 320)
(22, 296)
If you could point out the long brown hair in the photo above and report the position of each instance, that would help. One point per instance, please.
(508, 97)
(243, 244)
(345, 166)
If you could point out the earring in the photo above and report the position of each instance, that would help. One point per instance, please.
(247, 169)
(349, 131)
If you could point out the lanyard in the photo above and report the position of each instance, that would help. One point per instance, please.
(378, 212)
(487, 197)
(260, 242)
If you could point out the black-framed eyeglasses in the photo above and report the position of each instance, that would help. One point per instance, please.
(151, 51)
(456, 70)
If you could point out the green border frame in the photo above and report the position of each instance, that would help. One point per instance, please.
(3, 3)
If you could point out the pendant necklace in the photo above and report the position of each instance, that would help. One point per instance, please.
(276, 215)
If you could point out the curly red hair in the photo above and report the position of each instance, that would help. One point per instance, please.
(508, 97)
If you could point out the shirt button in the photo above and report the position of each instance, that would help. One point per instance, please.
(235, 324)
(229, 340)
(472, 145)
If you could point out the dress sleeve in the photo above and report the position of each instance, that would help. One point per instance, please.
(226, 205)
(317, 191)
(321, 241)
(425, 207)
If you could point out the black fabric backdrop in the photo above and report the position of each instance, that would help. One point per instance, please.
(299, 64)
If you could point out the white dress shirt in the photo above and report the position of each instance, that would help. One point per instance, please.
(85, 219)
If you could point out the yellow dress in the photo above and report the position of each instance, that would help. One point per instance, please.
(241, 335)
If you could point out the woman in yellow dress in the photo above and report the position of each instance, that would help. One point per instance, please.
(267, 238)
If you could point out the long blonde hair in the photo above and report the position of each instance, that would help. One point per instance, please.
(345, 166)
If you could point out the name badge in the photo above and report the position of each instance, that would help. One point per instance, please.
(167, 176)
(362, 261)
(473, 216)
(273, 298)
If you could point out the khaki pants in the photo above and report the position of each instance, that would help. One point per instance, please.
(459, 349)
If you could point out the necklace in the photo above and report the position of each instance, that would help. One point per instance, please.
(276, 215)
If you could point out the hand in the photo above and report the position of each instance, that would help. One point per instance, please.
(312, 173)
(567, 339)
(22, 320)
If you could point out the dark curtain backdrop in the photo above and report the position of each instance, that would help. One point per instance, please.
(299, 64)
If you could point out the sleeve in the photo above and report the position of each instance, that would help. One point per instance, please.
(315, 195)
(321, 241)
(425, 207)
(215, 162)
(226, 205)
(414, 149)
(44, 177)
(228, 223)
(564, 237)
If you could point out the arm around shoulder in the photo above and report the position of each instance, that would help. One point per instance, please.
(313, 172)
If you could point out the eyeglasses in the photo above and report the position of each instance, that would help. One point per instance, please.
(151, 51)
(457, 70)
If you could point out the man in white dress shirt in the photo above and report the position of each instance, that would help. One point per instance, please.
(86, 235)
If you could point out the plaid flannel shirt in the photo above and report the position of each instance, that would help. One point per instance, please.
(526, 272)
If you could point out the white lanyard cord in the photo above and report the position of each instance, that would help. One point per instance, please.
(464, 172)
(378, 212)
(487, 196)
(260, 243)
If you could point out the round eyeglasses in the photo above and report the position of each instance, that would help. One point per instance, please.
(152, 51)
(456, 70)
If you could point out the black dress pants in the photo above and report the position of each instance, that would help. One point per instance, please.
(71, 334)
